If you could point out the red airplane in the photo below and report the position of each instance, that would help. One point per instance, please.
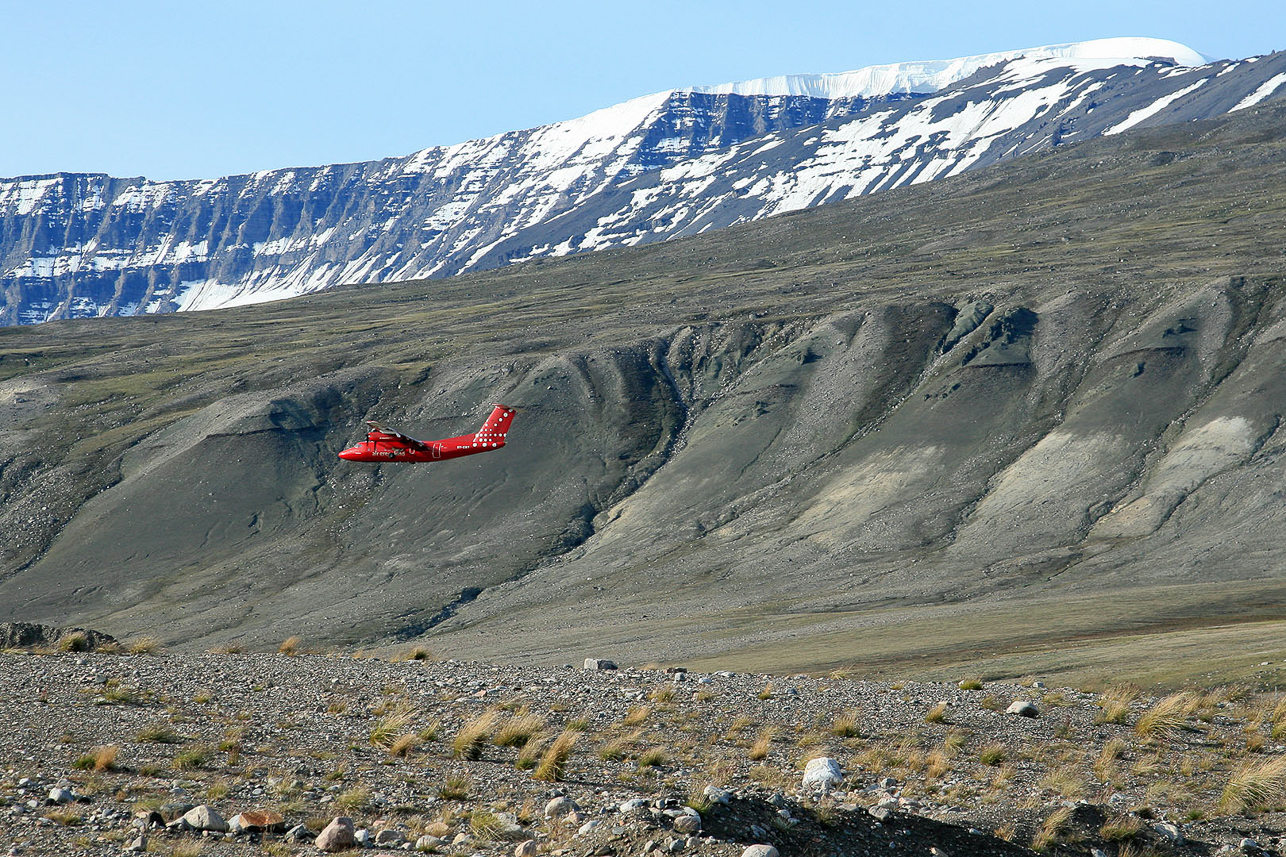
(384, 444)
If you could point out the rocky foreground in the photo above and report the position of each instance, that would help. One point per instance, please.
(238, 754)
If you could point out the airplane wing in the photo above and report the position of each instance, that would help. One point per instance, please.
(404, 438)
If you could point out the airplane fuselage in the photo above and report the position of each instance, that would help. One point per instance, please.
(378, 449)
(383, 445)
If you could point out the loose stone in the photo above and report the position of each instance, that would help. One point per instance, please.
(823, 772)
(560, 806)
(337, 835)
(759, 851)
(717, 795)
(390, 838)
(204, 817)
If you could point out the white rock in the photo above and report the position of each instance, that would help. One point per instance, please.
(526, 849)
(560, 806)
(428, 843)
(632, 805)
(1023, 708)
(1169, 832)
(599, 664)
(688, 823)
(717, 795)
(823, 772)
(759, 851)
(205, 817)
(61, 796)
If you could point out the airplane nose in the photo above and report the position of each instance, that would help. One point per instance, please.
(349, 454)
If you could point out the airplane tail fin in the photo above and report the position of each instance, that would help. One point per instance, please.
(493, 431)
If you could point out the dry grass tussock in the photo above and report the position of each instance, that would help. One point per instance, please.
(517, 731)
(635, 716)
(1116, 701)
(759, 750)
(847, 725)
(1256, 786)
(553, 765)
(472, 736)
(393, 724)
(102, 759)
(1052, 829)
(1166, 719)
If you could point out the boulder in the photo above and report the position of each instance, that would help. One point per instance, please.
(1023, 708)
(174, 811)
(717, 795)
(560, 806)
(1170, 833)
(390, 838)
(337, 836)
(27, 635)
(759, 851)
(257, 820)
(599, 664)
(823, 772)
(205, 817)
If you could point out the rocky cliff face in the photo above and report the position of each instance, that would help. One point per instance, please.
(659, 167)
(76, 246)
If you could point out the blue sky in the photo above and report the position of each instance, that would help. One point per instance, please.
(185, 90)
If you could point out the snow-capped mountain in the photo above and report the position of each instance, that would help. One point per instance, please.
(661, 166)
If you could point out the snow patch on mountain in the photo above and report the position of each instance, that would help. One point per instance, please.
(1268, 88)
(933, 75)
(1154, 108)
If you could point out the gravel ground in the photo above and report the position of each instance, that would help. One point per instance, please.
(928, 769)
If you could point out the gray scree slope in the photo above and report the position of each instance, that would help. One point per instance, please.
(1055, 380)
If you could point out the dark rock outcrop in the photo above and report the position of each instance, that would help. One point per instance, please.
(28, 635)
